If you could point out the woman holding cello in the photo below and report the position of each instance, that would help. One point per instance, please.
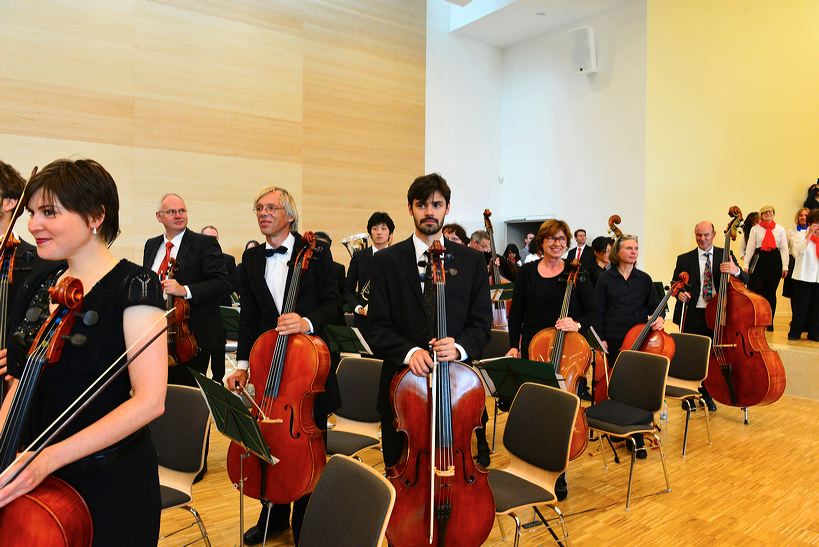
(538, 298)
(105, 454)
(625, 297)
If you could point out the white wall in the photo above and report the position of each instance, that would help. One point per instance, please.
(572, 144)
(463, 125)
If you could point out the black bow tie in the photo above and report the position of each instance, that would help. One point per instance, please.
(277, 251)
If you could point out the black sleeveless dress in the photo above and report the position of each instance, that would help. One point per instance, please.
(121, 484)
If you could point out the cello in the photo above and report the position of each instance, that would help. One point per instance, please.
(53, 514)
(182, 345)
(442, 496)
(743, 370)
(295, 367)
(571, 355)
(641, 337)
(500, 311)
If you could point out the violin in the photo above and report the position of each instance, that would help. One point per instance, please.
(442, 496)
(641, 337)
(743, 370)
(182, 345)
(571, 355)
(294, 368)
(500, 308)
(53, 513)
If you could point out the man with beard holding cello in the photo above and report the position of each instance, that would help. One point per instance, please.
(266, 272)
(703, 275)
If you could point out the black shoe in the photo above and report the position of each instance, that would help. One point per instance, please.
(255, 535)
(686, 404)
(770, 328)
(641, 453)
(201, 475)
(712, 406)
(813, 338)
(793, 337)
(561, 488)
(483, 454)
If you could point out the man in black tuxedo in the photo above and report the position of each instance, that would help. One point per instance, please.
(266, 275)
(356, 287)
(703, 266)
(217, 357)
(200, 278)
(398, 331)
(585, 252)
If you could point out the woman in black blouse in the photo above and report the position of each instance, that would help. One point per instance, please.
(539, 290)
(105, 454)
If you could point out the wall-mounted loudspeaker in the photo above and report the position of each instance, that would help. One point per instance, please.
(583, 53)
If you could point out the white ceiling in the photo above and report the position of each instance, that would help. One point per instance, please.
(519, 20)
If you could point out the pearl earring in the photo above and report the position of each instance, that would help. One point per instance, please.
(94, 230)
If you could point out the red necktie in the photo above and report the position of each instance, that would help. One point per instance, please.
(163, 266)
(579, 252)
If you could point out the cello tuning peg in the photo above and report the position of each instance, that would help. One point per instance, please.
(33, 314)
(453, 271)
(90, 318)
(22, 339)
(76, 340)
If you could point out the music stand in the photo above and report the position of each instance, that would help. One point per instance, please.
(501, 292)
(503, 377)
(234, 421)
(346, 340)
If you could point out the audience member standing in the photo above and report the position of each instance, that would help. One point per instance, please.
(805, 281)
(769, 242)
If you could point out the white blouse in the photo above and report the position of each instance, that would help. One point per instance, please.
(803, 250)
(755, 241)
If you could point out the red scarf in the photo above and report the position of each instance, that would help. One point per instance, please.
(769, 241)
(815, 239)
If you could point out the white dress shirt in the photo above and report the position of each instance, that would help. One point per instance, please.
(806, 267)
(755, 242)
(160, 256)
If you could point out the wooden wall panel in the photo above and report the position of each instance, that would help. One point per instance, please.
(214, 100)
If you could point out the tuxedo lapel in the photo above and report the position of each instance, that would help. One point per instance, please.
(150, 251)
(256, 271)
(410, 266)
(184, 246)
(299, 243)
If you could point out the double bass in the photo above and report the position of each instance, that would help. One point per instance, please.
(182, 345)
(294, 368)
(442, 497)
(743, 370)
(53, 514)
(500, 310)
(571, 355)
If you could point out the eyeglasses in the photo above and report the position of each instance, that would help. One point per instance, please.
(268, 209)
(173, 212)
(559, 239)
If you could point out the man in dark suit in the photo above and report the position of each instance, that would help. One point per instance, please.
(399, 332)
(357, 286)
(703, 266)
(266, 275)
(217, 357)
(200, 278)
(585, 252)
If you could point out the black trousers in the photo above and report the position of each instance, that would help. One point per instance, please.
(180, 375)
(695, 324)
(217, 365)
(766, 277)
(805, 308)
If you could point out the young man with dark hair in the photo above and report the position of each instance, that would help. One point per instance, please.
(357, 286)
(582, 251)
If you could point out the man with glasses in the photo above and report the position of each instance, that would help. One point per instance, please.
(200, 278)
(265, 273)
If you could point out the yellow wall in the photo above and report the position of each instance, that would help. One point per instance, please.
(732, 116)
(214, 100)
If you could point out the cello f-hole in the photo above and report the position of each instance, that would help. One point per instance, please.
(747, 352)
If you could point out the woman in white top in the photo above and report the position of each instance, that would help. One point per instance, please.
(805, 280)
(769, 242)
(801, 220)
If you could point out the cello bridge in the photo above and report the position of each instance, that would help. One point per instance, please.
(725, 346)
(448, 472)
(272, 421)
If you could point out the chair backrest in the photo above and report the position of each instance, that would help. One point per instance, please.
(638, 379)
(690, 361)
(350, 506)
(179, 435)
(230, 321)
(498, 344)
(539, 427)
(358, 379)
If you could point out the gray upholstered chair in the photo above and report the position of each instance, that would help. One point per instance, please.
(636, 391)
(350, 506)
(357, 421)
(688, 369)
(537, 437)
(179, 436)
(497, 347)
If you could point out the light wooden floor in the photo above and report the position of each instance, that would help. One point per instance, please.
(757, 484)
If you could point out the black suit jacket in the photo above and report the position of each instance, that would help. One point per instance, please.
(230, 268)
(357, 277)
(689, 262)
(317, 300)
(586, 259)
(397, 321)
(200, 266)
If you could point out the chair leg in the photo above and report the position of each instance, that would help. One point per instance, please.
(707, 424)
(500, 526)
(602, 452)
(631, 470)
(199, 522)
(687, 419)
(662, 458)
(494, 425)
(549, 526)
(517, 528)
